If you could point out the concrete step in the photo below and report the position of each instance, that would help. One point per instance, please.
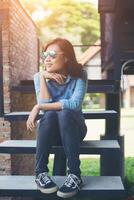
(106, 114)
(87, 147)
(98, 186)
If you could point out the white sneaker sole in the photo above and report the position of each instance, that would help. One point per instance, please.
(48, 190)
(66, 195)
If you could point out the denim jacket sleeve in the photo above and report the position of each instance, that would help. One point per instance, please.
(37, 89)
(75, 102)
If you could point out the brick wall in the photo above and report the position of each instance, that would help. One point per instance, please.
(23, 44)
(22, 163)
(5, 128)
(20, 62)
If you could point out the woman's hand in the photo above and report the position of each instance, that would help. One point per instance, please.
(32, 118)
(59, 78)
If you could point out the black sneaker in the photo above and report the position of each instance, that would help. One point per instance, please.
(70, 187)
(45, 183)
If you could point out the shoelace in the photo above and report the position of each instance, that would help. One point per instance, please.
(45, 177)
(70, 180)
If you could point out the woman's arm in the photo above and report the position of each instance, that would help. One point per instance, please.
(43, 96)
(41, 90)
(31, 122)
(44, 93)
(75, 102)
(50, 106)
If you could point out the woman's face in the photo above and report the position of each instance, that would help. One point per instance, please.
(55, 63)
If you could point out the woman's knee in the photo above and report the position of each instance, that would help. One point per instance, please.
(48, 123)
(66, 114)
(49, 116)
(67, 119)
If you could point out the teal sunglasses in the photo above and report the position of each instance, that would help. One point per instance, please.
(52, 54)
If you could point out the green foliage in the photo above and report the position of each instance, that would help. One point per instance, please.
(77, 21)
(130, 169)
(90, 167)
(129, 172)
(91, 101)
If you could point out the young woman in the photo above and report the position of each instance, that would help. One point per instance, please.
(60, 90)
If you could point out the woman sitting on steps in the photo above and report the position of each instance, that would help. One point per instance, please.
(60, 90)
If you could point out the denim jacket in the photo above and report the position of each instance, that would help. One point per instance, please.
(70, 94)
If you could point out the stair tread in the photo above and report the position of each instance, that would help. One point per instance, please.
(25, 185)
(102, 86)
(29, 146)
(23, 115)
(99, 85)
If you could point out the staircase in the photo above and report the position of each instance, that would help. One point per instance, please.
(108, 185)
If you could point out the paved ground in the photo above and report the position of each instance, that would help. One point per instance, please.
(97, 128)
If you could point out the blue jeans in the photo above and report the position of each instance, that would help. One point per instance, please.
(65, 127)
